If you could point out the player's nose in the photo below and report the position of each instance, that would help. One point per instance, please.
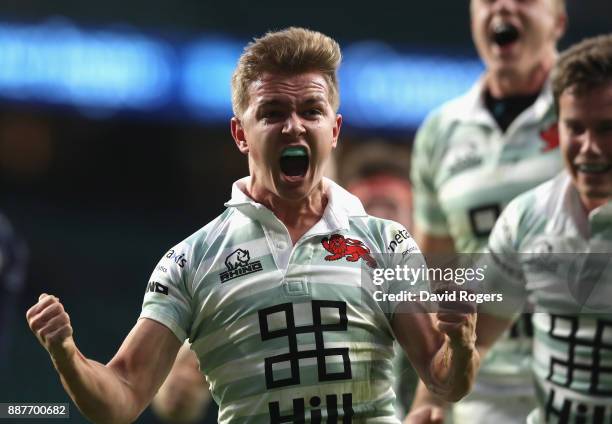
(293, 125)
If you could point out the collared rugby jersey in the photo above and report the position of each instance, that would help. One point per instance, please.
(465, 170)
(286, 333)
(548, 249)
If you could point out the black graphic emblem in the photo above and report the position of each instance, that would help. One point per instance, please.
(239, 263)
(320, 352)
(599, 371)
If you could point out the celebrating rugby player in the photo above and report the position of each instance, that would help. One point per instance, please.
(270, 293)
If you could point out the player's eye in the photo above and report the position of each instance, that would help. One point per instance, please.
(271, 114)
(574, 128)
(605, 127)
(313, 112)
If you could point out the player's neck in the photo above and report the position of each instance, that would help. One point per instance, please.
(298, 215)
(590, 204)
(508, 83)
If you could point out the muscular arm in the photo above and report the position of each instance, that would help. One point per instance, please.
(425, 400)
(433, 245)
(118, 391)
(184, 396)
(427, 407)
(442, 349)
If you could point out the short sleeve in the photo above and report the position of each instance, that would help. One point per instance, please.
(167, 297)
(428, 213)
(403, 267)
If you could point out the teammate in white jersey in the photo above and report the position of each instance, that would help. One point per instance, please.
(475, 154)
(553, 245)
(270, 293)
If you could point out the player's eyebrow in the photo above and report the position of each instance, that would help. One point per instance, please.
(276, 102)
(271, 102)
(318, 98)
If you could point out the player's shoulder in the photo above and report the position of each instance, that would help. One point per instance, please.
(387, 236)
(529, 212)
(195, 247)
(540, 200)
(440, 122)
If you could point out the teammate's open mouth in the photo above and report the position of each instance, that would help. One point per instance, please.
(593, 168)
(504, 34)
(294, 161)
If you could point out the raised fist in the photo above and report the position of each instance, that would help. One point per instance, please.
(51, 325)
(457, 320)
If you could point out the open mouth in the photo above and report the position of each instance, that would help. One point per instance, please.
(593, 168)
(505, 34)
(294, 161)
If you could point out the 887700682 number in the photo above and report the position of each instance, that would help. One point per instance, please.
(34, 410)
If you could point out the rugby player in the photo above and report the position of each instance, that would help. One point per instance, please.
(269, 294)
(475, 154)
(563, 224)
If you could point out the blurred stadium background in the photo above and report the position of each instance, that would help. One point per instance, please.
(114, 133)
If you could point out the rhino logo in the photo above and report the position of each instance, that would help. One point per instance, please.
(237, 259)
(238, 264)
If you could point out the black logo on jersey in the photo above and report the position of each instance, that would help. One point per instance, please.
(156, 287)
(238, 264)
(320, 352)
(463, 158)
(180, 260)
(483, 219)
(561, 371)
(299, 415)
(398, 239)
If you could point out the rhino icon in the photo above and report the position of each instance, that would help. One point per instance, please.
(238, 258)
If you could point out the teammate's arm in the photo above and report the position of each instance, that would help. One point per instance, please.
(119, 391)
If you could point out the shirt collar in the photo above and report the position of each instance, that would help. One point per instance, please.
(341, 205)
(570, 205)
(471, 108)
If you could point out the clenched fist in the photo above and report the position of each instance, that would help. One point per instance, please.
(457, 320)
(51, 325)
(460, 328)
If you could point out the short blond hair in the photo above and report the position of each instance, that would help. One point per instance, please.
(291, 51)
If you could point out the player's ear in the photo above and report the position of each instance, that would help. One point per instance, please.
(560, 25)
(239, 135)
(336, 130)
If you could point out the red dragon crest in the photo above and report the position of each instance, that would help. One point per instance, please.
(351, 249)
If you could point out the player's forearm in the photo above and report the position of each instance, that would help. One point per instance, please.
(453, 371)
(97, 390)
(423, 397)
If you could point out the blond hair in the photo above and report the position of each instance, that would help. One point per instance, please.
(291, 51)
